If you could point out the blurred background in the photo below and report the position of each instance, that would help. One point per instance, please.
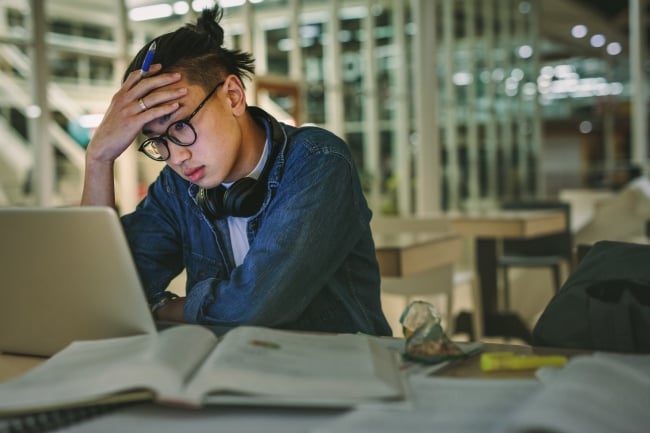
(446, 104)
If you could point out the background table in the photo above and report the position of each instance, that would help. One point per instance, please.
(488, 228)
(416, 263)
(401, 254)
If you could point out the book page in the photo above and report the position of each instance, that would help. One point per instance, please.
(92, 370)
(595, 394)
(441, 404)
(299, 368)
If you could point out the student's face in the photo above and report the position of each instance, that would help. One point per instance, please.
(213, 157)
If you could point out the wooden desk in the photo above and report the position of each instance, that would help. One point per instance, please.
(159, 418)
(401, 254)
(488, 228)
(508, 223)
(15, 365)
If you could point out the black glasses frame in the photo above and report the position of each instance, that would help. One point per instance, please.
(161, 140)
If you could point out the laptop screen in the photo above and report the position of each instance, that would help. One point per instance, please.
(67, 274)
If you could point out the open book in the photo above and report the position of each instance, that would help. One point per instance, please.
(188, 365)
(600, 393)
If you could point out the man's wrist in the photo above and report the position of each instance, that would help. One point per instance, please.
(166, 299)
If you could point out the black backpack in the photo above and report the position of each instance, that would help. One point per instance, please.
(604, 304)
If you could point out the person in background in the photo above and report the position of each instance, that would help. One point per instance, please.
(268, 220)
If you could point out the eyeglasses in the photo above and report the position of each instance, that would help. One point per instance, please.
(181, 133)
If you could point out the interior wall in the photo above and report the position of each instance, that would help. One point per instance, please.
(562, 158)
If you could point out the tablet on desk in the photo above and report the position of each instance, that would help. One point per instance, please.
(66, 274)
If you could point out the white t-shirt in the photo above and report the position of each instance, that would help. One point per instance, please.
(237, 225)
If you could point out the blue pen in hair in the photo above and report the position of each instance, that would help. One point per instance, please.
(148, 58)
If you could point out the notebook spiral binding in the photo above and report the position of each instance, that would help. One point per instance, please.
(49, 421)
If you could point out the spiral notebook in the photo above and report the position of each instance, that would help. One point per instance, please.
(67, 274)
(50, 421)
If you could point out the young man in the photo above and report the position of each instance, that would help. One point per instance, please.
(269, 221)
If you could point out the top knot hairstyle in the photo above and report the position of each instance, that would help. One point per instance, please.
(197, 51)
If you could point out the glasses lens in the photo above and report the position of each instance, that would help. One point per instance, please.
(182, 133)
(155, 149)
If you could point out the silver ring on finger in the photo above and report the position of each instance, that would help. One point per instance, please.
(142, 104)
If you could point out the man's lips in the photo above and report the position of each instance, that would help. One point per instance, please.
(194, 174)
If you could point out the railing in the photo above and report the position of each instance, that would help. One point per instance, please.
(15, 150)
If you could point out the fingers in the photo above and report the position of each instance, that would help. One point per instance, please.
(139, 85)
(158, 103)
(136, 76)
(142, 93)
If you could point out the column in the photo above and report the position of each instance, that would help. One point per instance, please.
(43, 171)
(425, 85)
(491, 133)
(333, 79)
(401, 136)
(127, 164)
(639, 126)
(450, 106)
(473, 162)
(371, 151)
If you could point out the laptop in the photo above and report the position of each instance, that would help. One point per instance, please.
(66, 274)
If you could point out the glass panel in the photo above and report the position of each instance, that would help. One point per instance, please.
(350, 35)
(278, 46)
(311, 43)
(384, 58)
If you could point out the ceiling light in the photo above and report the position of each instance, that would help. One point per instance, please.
(529, 89)
(231, 3)
(614, 48)
(199, 5)
(517, 74)
(150, 12)
(585, 127)
(462, 78)
(547, 71)
(181, 7)
(498, 74)
(597, 40)
(525, 51)
(579, 31)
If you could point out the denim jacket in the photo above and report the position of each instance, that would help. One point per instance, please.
(311, 263)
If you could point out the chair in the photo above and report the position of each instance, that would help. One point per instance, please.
(440, 280)
(549, 251)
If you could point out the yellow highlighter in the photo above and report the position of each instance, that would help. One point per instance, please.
(494, 361)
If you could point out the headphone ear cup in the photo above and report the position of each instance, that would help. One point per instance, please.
(210, 201)
(243, 198)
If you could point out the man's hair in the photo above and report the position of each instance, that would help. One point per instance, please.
(197, 51)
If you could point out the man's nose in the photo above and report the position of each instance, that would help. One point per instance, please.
(178, 154)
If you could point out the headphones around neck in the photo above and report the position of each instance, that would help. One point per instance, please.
(244, 198)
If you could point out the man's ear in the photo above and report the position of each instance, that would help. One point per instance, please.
(235, 94)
